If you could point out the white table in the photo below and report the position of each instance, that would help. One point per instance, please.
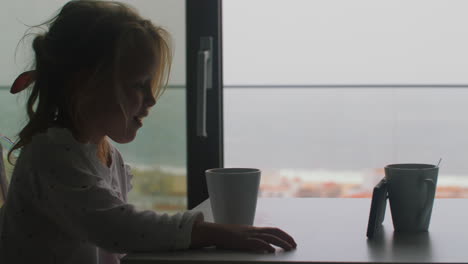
(333, 230)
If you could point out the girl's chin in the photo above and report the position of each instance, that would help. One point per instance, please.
(127, 138)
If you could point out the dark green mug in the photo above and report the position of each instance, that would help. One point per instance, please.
(411, 192)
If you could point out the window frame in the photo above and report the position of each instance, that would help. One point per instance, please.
(203, 18)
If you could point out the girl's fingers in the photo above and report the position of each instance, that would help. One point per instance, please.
(278, 233)
(259, 245)
(271, 239)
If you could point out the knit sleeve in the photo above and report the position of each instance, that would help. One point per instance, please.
(83, 205)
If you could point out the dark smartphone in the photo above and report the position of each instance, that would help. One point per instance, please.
(378, 207)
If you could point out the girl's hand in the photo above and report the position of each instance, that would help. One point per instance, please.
(240, 237)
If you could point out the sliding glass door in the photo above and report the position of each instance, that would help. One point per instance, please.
(321, 95)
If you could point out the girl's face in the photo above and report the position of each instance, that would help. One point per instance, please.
(109, 118)
(137, 101)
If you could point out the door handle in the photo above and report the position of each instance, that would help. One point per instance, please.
(204, 81)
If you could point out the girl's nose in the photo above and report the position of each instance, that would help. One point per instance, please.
(150, 100)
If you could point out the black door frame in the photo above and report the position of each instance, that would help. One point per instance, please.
(203, 18)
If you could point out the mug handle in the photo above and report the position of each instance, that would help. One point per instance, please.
(429, 200)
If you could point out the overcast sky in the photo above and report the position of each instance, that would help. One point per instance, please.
(299, 41)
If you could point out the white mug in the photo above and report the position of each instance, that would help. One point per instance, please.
(233, 194)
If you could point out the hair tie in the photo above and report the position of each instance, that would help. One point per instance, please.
(23, 81)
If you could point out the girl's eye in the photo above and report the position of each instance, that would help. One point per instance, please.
(142, 85)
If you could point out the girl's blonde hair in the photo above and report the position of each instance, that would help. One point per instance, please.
(94, 38)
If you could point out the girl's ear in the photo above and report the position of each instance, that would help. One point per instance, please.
(82, 82)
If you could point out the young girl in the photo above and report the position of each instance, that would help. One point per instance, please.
(98, 70)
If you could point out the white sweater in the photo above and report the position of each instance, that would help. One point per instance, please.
(65, 206)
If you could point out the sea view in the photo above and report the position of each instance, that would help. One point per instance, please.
(336, 141)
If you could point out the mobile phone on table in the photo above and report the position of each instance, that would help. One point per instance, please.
(378, 207)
